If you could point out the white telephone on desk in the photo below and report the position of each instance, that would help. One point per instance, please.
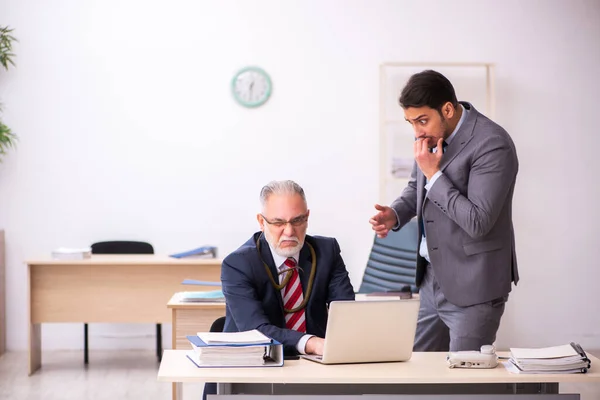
(486, 358)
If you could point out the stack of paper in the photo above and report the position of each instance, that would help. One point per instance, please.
(65, 253)
(565, 359)
(252, 355)
(213, 296)
(234, 349)
(233, 338)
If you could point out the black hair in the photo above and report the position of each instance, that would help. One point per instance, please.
(428, 88)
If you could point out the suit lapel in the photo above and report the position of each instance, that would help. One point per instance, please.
(463, 136)
(267, 258)
(305, 264)
(421, 195)
(460, 140)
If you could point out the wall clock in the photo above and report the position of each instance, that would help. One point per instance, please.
(251, 87)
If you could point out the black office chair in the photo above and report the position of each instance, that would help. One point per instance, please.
(122, 247)
(392, 263)
(218, 325)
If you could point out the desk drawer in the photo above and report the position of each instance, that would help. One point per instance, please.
(192, 321)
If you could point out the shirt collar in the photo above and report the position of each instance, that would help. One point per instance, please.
(460, 121)
(279, 260)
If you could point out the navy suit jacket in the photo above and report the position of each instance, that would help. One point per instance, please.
(253, 303)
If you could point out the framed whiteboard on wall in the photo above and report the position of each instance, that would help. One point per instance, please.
(473, 82)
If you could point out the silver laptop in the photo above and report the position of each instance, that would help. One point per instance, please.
(369, 331)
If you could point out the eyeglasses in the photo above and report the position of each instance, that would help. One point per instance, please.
(295, 222)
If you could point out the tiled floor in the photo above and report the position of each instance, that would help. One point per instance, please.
(116, 375)
(110, 375)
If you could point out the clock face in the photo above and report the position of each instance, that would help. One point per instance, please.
(251, 87)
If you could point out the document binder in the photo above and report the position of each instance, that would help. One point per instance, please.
(565, 359)
(213, 296)
(235, 355)
(200, 283)
(577, 347)
(200, 252)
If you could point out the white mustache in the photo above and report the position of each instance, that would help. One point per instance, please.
(290, 238)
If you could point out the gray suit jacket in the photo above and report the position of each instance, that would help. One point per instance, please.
(468, 213)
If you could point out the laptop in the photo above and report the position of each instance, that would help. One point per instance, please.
(369, 331)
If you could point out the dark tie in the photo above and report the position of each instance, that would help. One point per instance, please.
(444, 145)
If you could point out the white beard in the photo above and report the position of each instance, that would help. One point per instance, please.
(283, 252)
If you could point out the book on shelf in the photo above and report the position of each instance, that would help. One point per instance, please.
(563, 359)
(234, 349)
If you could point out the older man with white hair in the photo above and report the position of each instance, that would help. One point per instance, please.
(281, 280)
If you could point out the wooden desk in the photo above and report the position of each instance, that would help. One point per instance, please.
(189, 319)
(424, 373)
(107, 288)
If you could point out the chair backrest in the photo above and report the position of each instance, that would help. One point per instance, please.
(393, 261)
(122, 247)
(218, 325)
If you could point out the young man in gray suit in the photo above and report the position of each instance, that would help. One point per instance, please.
(461, 191)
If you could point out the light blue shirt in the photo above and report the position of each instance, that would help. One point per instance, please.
(423, 251)
(279, 261)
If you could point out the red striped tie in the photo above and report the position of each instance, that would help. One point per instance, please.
(292, 298)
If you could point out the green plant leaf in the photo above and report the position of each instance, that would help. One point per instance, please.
(6, 42)
(7, 139)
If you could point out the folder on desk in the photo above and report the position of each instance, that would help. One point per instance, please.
(200, 283)
(212, 296)
(229, 355)
(564, 359)
(200, 252)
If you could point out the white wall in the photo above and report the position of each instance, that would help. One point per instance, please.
(127, 130)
